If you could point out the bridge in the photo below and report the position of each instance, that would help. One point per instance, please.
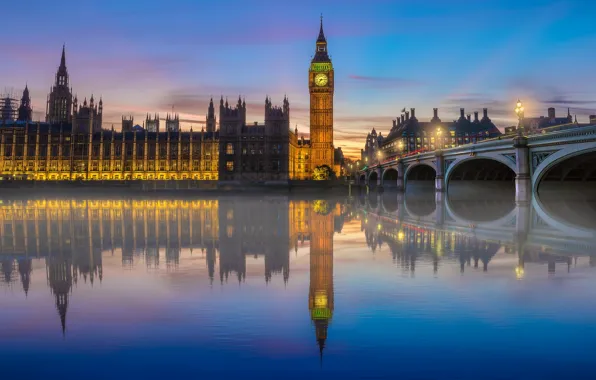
(527, 161)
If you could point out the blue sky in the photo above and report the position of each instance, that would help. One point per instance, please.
(149, 56)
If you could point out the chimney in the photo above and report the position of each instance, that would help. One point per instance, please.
(394, 123)
(485, 112)
(402, 118)
(435, 113)
(469, 117)
(461, 113)
(551, 113)
(407, 115)
(476, 117)
(413, 110)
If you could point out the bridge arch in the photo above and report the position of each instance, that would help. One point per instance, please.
(362, 179)
(389, 179)
(420, 168)
(458, 164)
(575, 162)
(372, 178)
(475, 175)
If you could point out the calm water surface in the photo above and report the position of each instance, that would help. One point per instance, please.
(387, 286)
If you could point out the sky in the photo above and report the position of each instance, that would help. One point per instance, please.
(155, 57)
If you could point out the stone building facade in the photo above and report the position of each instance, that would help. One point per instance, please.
(72, 145)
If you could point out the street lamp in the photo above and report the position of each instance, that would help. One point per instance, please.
(439, 132)
(400, 145)
(519, 111)
(379, 155)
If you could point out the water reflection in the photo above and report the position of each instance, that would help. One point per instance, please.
(72, 235)
(220, 238)
(427, 228)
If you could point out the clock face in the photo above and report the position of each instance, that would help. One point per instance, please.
(321, 79)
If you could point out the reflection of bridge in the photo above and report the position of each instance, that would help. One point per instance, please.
(438, 227)
(562, 155)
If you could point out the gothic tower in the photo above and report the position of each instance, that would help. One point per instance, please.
(211, 121)
(59, 104)
(321, 88)
(320, 296)
(25, 111)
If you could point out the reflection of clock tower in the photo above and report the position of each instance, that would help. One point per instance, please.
(320, 296)
(321, 86)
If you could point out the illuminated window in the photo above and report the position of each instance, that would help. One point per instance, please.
(230, 231)
(230, 148)
(230, 166)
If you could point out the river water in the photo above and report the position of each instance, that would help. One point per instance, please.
(390, 286)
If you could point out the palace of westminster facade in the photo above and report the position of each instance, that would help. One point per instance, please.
(72, 145)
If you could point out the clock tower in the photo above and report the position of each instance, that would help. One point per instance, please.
(321, 88)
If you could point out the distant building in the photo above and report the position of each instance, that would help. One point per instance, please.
(254, 152)
(172, 123)
(152, 123)
(592, 119)
(87, 118)
(25, 111)
(542, 122)
(372, 146)
(59, 102)
(127, 124)
(409, 135)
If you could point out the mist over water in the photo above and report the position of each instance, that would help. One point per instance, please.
(469, 285)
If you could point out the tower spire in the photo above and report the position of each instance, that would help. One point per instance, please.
(321, 33)
(63, 59)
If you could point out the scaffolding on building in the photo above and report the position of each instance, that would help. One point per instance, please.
(9, 106)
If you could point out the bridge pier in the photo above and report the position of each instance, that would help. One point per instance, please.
(440, 177)
(523, 180)
(401, 184)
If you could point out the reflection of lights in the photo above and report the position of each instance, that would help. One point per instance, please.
(321, 299)
(519, 272)
(379, 227)
(400, 236)
(365, 220)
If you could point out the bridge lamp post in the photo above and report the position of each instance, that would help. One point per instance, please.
(519, 111)
(400, 146)
(439, 133)
(379, 156)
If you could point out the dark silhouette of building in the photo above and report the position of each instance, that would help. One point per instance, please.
(25, 111)
(60, 280)
(59, 104)
(254, 152)
(152, 123)
(25, 267)
(246, 231)
(127, 124)
(87, 118)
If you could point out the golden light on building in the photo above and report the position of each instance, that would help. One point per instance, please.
(48, 155)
